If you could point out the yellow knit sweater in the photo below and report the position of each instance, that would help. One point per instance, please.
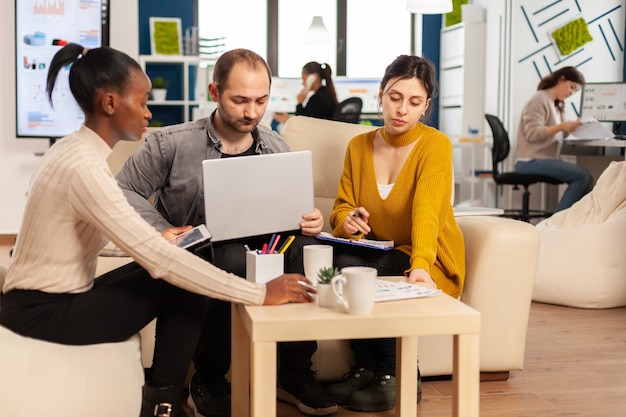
(417, 215)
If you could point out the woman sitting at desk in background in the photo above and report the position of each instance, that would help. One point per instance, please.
(397, 185)
(75, 207)
(316, 77)
(542, 127)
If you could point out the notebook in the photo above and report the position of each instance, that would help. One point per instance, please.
(254, 195)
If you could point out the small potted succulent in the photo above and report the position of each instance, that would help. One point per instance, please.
(159, 89)
(325, 295)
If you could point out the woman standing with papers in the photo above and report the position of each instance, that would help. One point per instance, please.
(541, 127)
(397, 185)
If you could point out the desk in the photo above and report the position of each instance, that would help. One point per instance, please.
(595, 155)
(595, 143)
(257, 329)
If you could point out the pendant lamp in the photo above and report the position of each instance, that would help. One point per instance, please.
(317, 33)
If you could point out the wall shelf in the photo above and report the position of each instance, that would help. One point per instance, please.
(188, 78)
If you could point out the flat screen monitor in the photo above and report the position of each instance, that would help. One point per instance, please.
(364, 88)
(284, 94)
(42, 27)
(605, 102)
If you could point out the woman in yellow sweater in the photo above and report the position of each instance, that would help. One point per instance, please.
(397, 185)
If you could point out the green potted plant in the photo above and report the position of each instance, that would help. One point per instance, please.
(325, 295)
(159, 89)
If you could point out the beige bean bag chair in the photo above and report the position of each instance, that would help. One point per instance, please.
(582, 255)
(39, 378)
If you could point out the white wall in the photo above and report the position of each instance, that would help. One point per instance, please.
(17, 156)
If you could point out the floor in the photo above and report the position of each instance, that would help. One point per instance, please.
(575, 367)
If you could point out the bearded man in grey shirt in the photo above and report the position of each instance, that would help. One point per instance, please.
(169, 166)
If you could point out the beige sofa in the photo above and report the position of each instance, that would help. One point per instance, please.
(501, 263)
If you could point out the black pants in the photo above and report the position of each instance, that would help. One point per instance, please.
(378, 355)
(120, 304)
(212, 357)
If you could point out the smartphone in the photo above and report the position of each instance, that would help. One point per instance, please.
(191, 237)
(310, 79)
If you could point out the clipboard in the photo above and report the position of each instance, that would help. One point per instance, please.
(385, 245)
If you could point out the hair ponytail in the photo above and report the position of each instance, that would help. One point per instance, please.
(91, 69)
(68, 55)
(326, 75)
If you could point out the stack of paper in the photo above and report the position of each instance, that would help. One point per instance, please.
(590, 129)
(401, 290)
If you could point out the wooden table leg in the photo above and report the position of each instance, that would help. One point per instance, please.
(263, 379)
(466, 376)
(406, 376)
(240, 366)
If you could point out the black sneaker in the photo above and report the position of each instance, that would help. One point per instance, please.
(354, 380)
(209, 398)
(380, 395)
(304, 392)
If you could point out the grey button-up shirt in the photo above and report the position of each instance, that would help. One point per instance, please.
(169, 165)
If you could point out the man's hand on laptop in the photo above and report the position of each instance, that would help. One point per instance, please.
(287, 288)
(313, 222)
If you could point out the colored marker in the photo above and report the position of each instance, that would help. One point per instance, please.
(264, 249)
(274, 244)
(287, 243)
(269, 245)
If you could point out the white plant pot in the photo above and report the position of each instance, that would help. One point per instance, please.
(159, 94)
(326, 296)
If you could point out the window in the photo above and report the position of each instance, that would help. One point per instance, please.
(377, 32)
(294, 19)
(243, 23)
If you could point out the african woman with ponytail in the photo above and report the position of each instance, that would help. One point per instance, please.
(75, 207)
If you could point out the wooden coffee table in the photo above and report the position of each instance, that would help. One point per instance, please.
(257, 329)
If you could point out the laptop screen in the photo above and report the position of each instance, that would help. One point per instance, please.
(254, 195)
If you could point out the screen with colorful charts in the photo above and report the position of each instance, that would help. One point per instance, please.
(42, 27)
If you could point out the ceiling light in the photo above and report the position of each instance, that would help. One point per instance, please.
(317, 33)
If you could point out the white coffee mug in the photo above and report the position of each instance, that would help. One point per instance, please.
(316, 257)
(358, 287)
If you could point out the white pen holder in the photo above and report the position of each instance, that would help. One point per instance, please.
(263, 268)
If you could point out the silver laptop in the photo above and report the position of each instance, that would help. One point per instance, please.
(253, 195)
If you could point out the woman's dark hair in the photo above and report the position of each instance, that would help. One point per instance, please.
(226, 62)
(326, 75)
(552, 79)
(411, 66)
(90, 70)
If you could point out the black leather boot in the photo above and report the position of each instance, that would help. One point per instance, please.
(161, 402)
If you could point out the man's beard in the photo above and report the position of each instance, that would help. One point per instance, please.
(241, 125)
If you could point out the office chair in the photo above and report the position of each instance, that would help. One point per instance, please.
(348, 110)
(499, 152)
